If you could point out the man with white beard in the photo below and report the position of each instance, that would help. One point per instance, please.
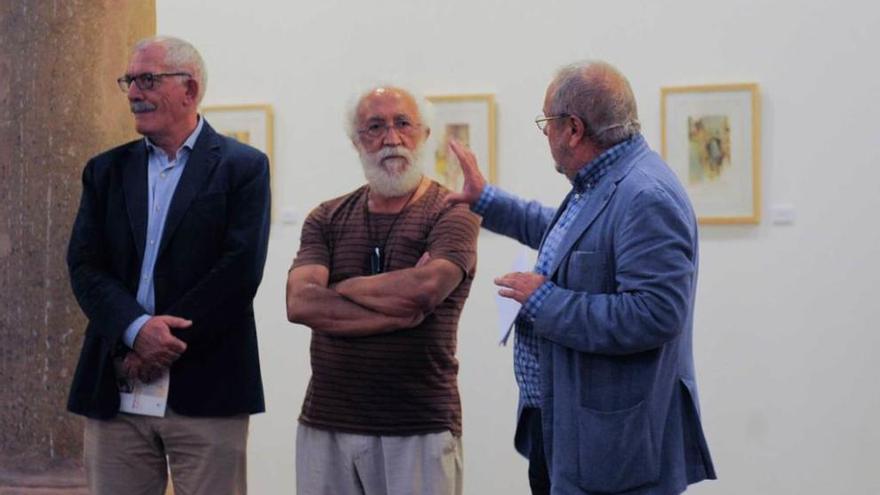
(381, 277)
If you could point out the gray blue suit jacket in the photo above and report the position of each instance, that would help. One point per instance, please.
(619, 405)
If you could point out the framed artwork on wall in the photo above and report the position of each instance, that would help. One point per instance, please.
(710, 136)
(249, 124)
(470, 119)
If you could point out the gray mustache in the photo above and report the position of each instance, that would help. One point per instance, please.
(394, 151)
(142, 106)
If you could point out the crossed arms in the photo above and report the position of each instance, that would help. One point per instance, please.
(370, 305)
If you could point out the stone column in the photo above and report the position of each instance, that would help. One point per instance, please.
(59, 105)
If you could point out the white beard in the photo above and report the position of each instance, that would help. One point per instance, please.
(395, 176)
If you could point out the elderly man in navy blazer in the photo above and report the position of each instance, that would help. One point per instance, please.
(603, 351)
(165, 258)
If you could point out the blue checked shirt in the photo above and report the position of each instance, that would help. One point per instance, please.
(526, 367)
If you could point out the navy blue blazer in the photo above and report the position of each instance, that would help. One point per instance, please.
(209, 265)
(619, 399)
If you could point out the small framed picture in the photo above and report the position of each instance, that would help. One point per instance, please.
(248, 124)
(470, 119)
(710, 136)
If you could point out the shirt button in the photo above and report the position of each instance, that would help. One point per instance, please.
(162, 175)
(152, 242)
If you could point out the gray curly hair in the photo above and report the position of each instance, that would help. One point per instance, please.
(599, 95)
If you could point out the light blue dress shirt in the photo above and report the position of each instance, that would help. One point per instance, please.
(162, 178)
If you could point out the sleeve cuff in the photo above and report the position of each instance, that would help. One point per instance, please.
(533, 304)
(486, 198)
(131, 332)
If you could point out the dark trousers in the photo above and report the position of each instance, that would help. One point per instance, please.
(539, 477)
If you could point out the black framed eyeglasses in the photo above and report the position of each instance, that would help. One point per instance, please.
(378, 129)
(145, 81)
(541, 121)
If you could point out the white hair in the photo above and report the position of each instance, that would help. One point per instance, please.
(180, 55)
(399, 176)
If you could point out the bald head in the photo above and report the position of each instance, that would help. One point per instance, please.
(368, 102)
(600, 96)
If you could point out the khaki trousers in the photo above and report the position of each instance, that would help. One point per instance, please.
(133, 454)
(347, 464)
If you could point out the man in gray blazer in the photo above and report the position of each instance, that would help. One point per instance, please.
(603, 352)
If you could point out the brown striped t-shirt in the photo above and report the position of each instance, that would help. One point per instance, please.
(404, 382)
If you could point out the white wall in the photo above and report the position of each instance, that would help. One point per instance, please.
(786, 315)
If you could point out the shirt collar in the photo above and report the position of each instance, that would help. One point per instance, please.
(588, 177)
(188, 144)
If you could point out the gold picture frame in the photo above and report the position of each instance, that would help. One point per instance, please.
(710, 136)
(251, 124)
(469, 118)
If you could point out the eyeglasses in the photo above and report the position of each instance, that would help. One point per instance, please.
(377, 129)
(145, 81)
(541, 121)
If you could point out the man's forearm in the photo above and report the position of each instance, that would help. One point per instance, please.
(406, 292)
(397, 293)
(325, 310)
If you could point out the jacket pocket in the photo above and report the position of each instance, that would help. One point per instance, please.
(586, 271)
(616, 451)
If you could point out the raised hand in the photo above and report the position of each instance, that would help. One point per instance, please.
(474, 182)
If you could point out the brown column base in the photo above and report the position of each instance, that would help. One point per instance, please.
(64, 478)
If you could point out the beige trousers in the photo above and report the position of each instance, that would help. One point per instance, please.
(133, 454)
(346, 464)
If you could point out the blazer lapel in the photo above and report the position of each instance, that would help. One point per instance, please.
(134, 186)
(555, 219)
(199, 167)
(596, 202)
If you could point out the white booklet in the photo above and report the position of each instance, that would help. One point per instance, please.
(137, 397)
(508, 309)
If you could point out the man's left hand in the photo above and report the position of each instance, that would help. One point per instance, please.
(519, 285)
(135, 367)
